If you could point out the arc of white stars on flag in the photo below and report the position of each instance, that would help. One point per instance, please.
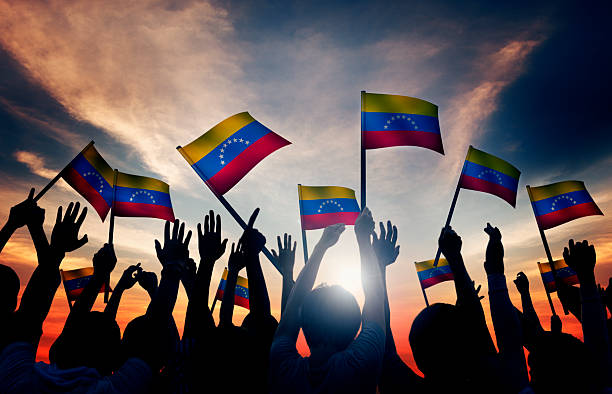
(99, 177)
(559, 198)
(398, 117)
(489, 171)
(134, 195)
(229, 142)
(329, 202)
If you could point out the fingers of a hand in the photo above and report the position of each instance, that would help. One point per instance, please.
(166, 231)
(181, 232)
(81, 218)
(382, 230)
(31, 195)
(58, 219)
(75, 211)
(218, 225)
(223, 245)
(68, 211)
(158, 248)
(394, 236)
(294, 246)
(212, 220)
(389, 231)
(82, 241)
(253, 218)
(280, 244)
(187, 239)
(285, 240)
(199, 226)
(206, 224)
(175, 228)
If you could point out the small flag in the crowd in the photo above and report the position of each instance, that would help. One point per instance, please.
(75, 281)
(92, 178)
(142, 196)
(563, 273)
(391, 120)
(322, 206)
(227, 152)
(486, 173)
(430, 275)
(561, 202)
(241, 295)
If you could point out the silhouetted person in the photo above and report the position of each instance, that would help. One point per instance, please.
(330, 318)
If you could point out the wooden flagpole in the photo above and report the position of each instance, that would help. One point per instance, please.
(548, 254)
(452, 208)
(304, 243)
(227, 206)
(363, 153)
(59, 175)
(111, 230)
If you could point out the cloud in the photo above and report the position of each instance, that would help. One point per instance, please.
(35, 163)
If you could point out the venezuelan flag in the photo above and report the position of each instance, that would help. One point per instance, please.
(75, 281)
(430, 275)
(486, 173)
(561, 202)
(142, 196)
(322, 206)
(241, 295)
(228, 151)
(92, 178)
(563, 273)
(391, 120)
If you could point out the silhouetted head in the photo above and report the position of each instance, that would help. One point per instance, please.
(145, 339)
(437, 339)
(552, 355)
(92, 340)
(9, 290)
(330, 317)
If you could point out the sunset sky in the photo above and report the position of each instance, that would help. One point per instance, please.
(526, 82)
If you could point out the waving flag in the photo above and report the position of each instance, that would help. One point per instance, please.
(486, 173)
(228, 151)
(563, 273)
(560, 203)
(75, 281)
(142, 196)
(92, 178)
(241, 296)
(391, 120)
(322, 206)
(430, 275)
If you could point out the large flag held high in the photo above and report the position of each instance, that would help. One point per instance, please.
(486, 173)
(226, 153)
(142, 196)
(392, 120)
(92, 178)
(322, 206)
(560, 203)
(241, 295)
(562, 273)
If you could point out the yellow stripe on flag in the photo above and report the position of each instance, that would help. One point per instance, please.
(428, 264)
(95, 159)
(322, 192)
(545, 267)
(487, 160)
(375, 102)
(142, 182)
(555, 189)
(244, 282)
(212, 138)
(77, 273)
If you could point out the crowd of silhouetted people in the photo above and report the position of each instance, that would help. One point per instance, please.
(352, 349)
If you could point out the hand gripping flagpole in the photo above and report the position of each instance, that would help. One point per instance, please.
(549, 256)
(227, 205)
(452, 209)
(59, 175)
(111, 230)
(363, 153)
(304, 244)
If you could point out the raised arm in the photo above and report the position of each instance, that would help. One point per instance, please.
(237, 261)
(289, 325)
(505, 320)
(371, 277)
(581, 257)
(531, 326)
(127, 281)
(468, 299)
(252, 243)
(285, 259)
(38, 295)
(19, 216)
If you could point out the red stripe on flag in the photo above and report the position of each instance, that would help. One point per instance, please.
(136, 209)
(240, 301)
(322, 220)
(564, 215)
(74, 294)
(384, 139)
(436, 279)
(79, 184)
(480, 185)
(236, 169)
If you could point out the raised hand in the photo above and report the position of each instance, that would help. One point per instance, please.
(188, 276)
(237, 260)
(65, 234)
(129, 277)
(364, 225)
(494, 263)
(210, 245)
(104, 261)
(449, 243)
(252, 240)
(148, 281)
(385, 246)
(331, 234)
(285, 258)
(26, 212)
(522, 283)
(176, 246)
(580, 257)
